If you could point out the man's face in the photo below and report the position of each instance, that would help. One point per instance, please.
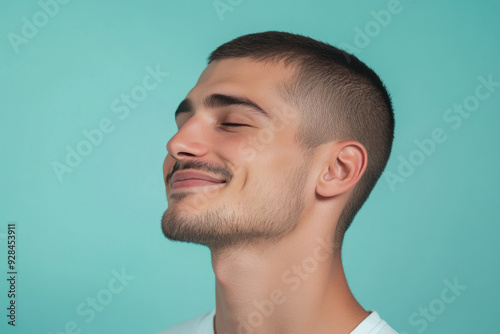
(234, 173)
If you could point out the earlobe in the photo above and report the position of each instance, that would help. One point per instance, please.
(343, 169)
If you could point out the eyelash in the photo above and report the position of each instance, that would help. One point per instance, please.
(233, 124)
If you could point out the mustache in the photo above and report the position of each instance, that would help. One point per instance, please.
(209, 168)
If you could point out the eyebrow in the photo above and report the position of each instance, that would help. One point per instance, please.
(218, 101)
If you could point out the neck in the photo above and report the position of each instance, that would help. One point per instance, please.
(284, 288)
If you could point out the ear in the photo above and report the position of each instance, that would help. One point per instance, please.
(345, 164)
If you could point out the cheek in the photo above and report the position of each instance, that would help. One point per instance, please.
(238, 151)
(259, 145)
(271, 167)
(264, 157)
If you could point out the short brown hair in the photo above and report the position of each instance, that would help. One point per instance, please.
(339, 96)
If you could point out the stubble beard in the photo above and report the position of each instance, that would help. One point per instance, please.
(267, 217)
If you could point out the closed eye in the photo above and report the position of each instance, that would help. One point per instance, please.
(233, 124)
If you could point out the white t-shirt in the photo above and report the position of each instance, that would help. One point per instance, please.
(204, 324)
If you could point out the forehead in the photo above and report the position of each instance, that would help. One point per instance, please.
(258, 81)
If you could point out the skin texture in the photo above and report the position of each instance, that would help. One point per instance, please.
(270, 227)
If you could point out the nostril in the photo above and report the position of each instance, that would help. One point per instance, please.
(188, 142)
(186, 154)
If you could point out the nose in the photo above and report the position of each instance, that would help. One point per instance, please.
(189, 141)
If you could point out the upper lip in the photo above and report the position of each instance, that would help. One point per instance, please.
(181, 176)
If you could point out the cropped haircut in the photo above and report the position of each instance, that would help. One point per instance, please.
(339, 98)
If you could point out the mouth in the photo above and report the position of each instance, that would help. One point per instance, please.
(191, 179)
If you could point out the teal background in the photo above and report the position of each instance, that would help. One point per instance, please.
(441, 223)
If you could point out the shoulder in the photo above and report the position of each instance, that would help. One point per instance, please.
(202, 324)
(373, 324)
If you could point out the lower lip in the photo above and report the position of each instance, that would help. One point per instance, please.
(194, 183)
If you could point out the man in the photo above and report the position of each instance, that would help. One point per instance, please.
(278, 146)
